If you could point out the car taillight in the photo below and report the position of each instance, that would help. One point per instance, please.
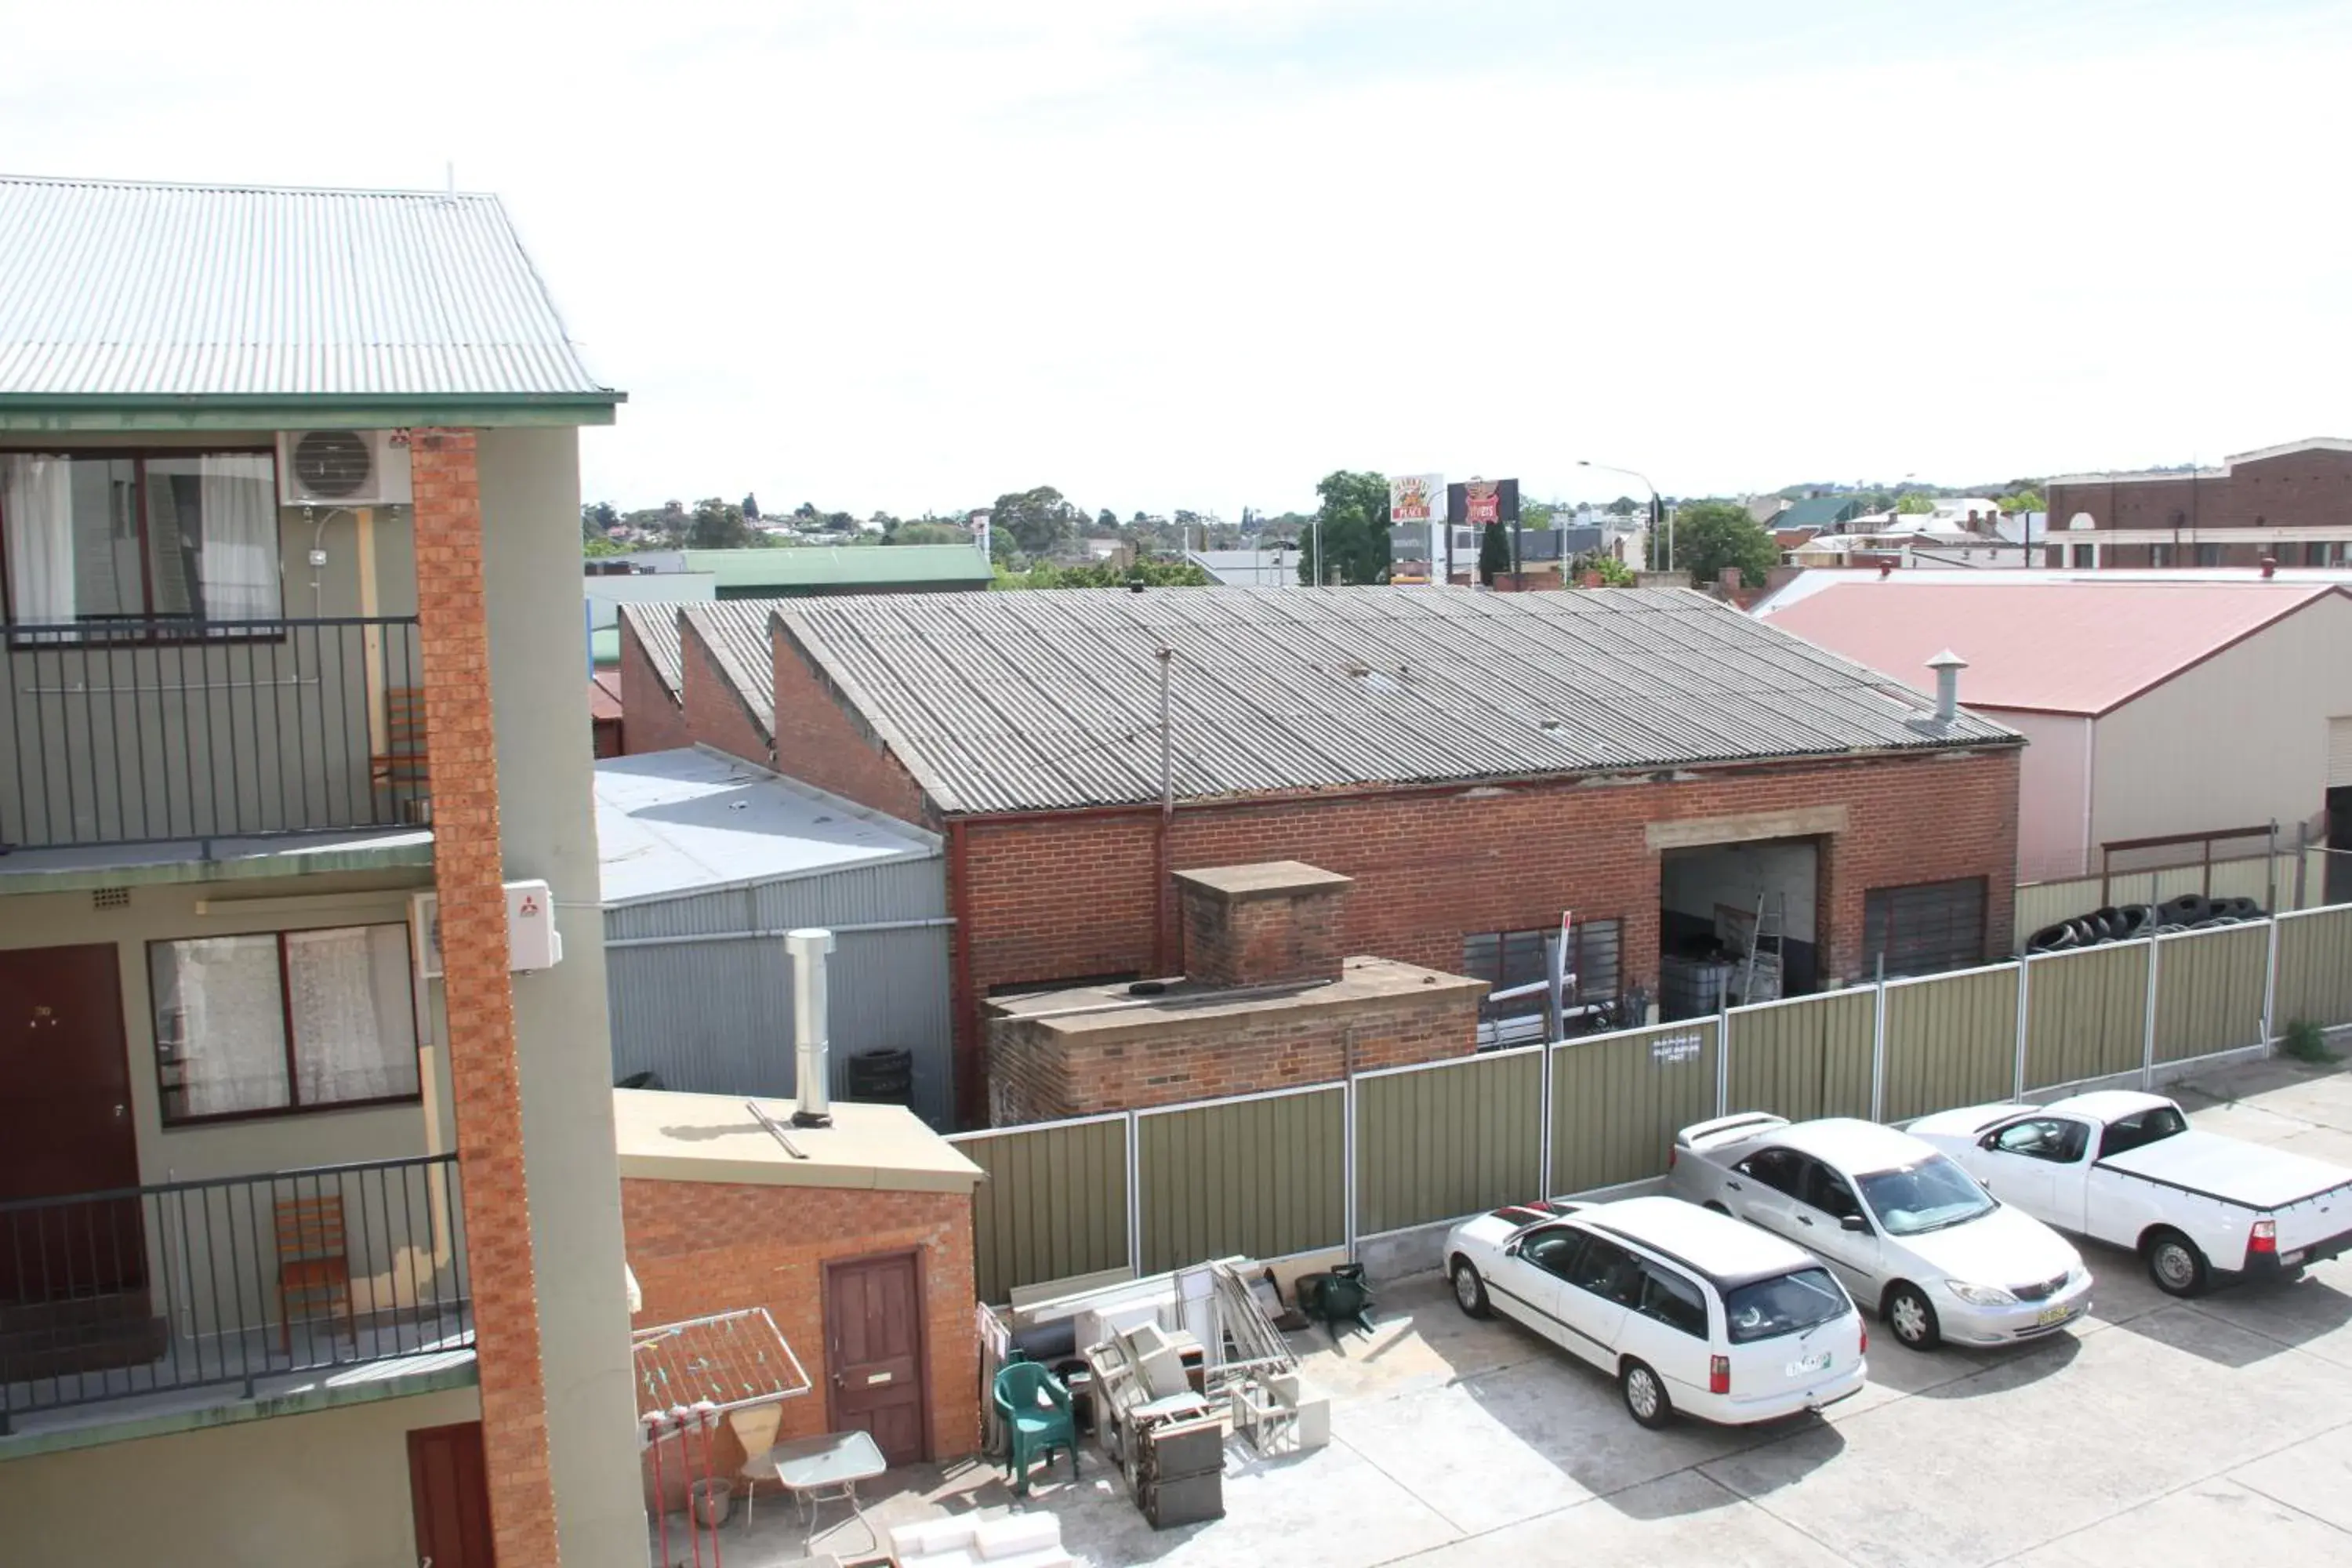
(1866, 1339)
(2265, 1236)
(1719, 1375)
(1674, 1152)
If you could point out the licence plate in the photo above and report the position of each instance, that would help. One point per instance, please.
(2289, 1259)
(1817, 1362)
(2054, 1315)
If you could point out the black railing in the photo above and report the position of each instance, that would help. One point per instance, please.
(132, 731)
(114, 1295)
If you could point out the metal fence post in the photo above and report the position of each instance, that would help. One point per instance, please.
(2269, 981)
(1543, 1129)
(2148, 1046)
(2024, 1017)
(1135, 1194)
(1723, 1058)
(1878, 1047)
(1348, 1159)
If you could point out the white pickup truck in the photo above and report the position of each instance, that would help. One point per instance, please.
(2127, 1169)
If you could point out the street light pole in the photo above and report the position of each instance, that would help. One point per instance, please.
(1657, 507)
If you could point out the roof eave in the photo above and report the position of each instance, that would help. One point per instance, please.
(48, 412)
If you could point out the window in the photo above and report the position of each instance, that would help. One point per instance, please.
(283, 1021)
(98, 537)
(1672, 1300)
(1912, 1200)
(1508, 959)
(1553, 1250)
(1785, 1304)
(1925, 929)
(1826, 1190)
(2159, 555)
(1609, 1271)
(2051, 1138)
(1782, 1170)
(2208, 555)
(2086, 556)
(2151, 1126)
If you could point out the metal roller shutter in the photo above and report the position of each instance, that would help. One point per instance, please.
(1925, 929)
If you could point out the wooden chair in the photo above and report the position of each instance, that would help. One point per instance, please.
(314, 1270)
(401, 767)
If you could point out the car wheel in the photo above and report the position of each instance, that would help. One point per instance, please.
(1645, 1395)
(2176, 1264)
(1469, 1291)
(1913, 1318)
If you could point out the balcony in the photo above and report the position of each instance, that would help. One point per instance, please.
(191, 1293)
(152, 731)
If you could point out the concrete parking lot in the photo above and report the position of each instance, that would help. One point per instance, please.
(2159, 1432)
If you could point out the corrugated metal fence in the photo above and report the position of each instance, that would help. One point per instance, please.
(1329, 1164)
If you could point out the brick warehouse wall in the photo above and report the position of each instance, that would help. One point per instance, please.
(486, 1079)
(821, 740)
(716, 712)
(698, 1248)
(651, 719)
(2299, 490)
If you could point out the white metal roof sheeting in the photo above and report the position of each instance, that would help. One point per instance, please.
(1049, 700)
(736, 632)
(131, 289)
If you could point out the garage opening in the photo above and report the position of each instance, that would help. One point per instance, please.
(1737, 924)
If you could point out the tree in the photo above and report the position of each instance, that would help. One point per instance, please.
(717, 525)
(751, 509)
(1623, 506)
(1106, 522)
(1710, 535)
(1351, 531)
(598, 519)
(599, 546)
(2024, 498)
(1494, 554)
(1914, 504)
(927, 531)
(1035, 521)
(1612, 572)
(1104, 574)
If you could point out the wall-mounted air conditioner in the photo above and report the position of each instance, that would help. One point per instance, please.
(343, 468)
(532, 940)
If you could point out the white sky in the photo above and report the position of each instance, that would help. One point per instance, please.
(1170, 255)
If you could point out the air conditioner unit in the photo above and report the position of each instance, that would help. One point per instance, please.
(532, 940)
(343, 468)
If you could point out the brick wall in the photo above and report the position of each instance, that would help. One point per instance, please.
(716, 712)
(820, 741)
(1277, 925)
(1038, 1073)
(698, 1248)
(650, 717)
(484, 1078)
(2298, 490)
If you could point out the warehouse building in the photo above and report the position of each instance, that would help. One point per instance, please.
(1655, 765)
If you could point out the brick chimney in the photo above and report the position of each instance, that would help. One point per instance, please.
(1275, 922)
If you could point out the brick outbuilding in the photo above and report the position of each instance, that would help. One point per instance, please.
(1649, 760)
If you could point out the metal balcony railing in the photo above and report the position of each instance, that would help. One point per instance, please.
(142, 1290)
(134, 732)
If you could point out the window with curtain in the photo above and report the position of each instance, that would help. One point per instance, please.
(290, 1021)
(98, 537)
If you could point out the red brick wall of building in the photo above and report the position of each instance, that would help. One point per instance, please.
(700, 1247)
(651, 719)
(486, 1082)
(820, 741)
(716, 712)
(2298, 490)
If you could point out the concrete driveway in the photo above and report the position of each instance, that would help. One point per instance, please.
(2159, 1432)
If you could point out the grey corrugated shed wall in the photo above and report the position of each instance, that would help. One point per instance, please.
(716, 1015)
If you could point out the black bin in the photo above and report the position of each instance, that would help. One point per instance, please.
(882, 1078)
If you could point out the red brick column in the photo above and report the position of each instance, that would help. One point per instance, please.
(485, 1084)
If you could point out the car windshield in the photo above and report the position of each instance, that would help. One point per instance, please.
(1926, 1197)
(1785, 1304)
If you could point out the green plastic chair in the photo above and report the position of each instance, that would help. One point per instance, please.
(1035, 1409)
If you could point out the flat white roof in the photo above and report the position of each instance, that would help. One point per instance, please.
(671, 824)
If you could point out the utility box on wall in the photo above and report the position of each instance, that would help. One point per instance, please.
(532, 940)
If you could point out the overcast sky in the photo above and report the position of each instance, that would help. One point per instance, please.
(1169, 254)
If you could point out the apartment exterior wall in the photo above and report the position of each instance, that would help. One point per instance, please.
(325, 1488)
(652, 717)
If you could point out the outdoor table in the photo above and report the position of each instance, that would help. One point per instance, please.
(818, 1471)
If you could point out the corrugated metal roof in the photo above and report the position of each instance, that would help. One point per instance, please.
(132, 290)
(1038, 701)
(789, 566)
(736, 633)
(657, 628)
(2047, 648)
(674, 823)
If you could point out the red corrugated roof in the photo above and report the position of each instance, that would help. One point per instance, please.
(603, 697)
(2050, 648)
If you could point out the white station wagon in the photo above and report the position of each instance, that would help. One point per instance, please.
(1687, 1309)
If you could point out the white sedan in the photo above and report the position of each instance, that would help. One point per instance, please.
(1906, 1229)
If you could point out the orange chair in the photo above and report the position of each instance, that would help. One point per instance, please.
(314, 1270)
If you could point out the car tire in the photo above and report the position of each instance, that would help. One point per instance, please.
(1911, 1317)
(1645, 1394)
(2175, 1265)
(1470, 1291)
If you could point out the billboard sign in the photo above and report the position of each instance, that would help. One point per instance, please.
(1482, 501)
(1413, 498)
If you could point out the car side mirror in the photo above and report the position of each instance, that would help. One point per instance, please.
(1854, 1222)
(1511, 1249)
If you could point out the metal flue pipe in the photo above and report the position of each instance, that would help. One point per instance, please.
(809, 948)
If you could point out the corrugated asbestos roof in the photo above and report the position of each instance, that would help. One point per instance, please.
(1047, 699)
(736, 633)
(787, 566)
(656, 625)
(130, 290)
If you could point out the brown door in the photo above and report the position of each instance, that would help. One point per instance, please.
(450, 1492)
(65, 1126)
(874, 1345)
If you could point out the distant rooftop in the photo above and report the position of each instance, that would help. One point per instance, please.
(2260, 453)
(146, 293)
(693, 821)
(787, 568)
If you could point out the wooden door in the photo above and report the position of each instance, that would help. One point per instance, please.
(65, 1126)
(449, 1489)
(875, 1351)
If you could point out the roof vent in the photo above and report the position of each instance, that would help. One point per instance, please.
(1947, 666)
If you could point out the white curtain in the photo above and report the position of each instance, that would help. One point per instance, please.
(355, 1024)
(37, 512)
(220, 1017)
(240, 537)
